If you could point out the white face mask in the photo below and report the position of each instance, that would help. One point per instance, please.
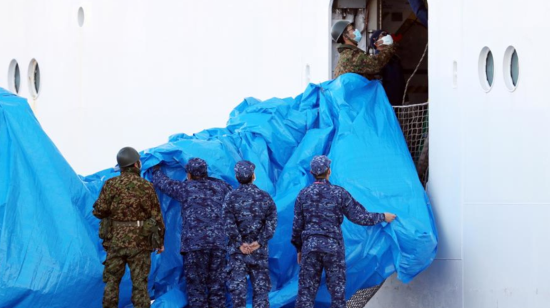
(387, 40)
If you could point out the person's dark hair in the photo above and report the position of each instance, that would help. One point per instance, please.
(201, 177)
(245, 180)
(345, 33)
(129, 167)
(321, 176)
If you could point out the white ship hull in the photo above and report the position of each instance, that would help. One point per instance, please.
(136, 72)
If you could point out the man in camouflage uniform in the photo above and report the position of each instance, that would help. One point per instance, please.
(128, 200)
(250, 220)
(352, 58)
(203, 240)
(317, 235)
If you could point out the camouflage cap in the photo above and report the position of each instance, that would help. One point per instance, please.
(244, 170)
(319, 164)
(196, 167)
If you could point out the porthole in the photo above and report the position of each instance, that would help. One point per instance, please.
(511, 68)
(80, 17)
(14, 77)
(486, 69)
(34, 78)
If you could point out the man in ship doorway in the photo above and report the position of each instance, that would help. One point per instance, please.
(352, 58)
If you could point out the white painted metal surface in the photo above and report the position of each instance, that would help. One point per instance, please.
(489, 162)
(136, 72)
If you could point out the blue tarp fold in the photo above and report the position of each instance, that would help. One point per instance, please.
(50, 254)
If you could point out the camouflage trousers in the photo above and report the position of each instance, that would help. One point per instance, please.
(139, 262)
(205, 278)
(256, 266)
(310, 277)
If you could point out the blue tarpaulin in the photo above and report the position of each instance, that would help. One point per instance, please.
(50, 253)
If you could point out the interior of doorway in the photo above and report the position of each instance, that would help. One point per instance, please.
(397, 18)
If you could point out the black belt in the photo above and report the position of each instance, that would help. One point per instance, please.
(138, 223)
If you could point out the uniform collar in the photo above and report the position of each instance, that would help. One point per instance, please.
(342, 47)
(131, 170)
(249, 185)
(323, 181)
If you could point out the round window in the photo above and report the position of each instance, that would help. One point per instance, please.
(511, 68)
(14, 77)
(34, 78)
(486, 69)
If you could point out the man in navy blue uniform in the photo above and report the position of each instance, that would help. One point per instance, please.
(250, 220)
(393, 79)
(316, 233)
(203, 240)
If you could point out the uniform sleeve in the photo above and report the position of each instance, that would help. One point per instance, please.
(420, 11)
(357, 214)
(297, 225)
(228, 187)
(102, 206)
(372, 64)
(231, 229)
(170, 187)
(270, 223)
(156, 213)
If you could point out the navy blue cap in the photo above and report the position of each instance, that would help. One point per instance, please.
(319, 164)
(244, 170)
(196, 167)
(375, 37)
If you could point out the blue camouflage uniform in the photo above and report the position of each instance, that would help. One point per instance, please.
(203, 240)
(250, 215)
(316, 233)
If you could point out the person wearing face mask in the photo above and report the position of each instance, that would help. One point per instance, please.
(352, 58)
(393, 79)
(130, 202)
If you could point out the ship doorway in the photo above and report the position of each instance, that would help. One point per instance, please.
(411, 35)
(411, 38)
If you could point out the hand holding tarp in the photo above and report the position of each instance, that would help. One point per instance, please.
(160, 250)
(389, 217)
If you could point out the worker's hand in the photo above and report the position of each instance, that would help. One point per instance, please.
(389, 217)
(245, 248)
(254, 246)
(299, 258)
(160, 250)
(380, 45)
